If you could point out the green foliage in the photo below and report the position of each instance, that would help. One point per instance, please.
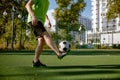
(113, 9)
(68, 13)
(18, 8)
(116, 46)
(103, 47)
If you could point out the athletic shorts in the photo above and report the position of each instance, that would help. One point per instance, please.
(38, 29)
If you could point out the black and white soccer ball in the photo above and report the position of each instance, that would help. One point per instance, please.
(64, 46)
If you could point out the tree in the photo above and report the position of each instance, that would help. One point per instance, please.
(19, 24)
(67, 14)
(113, 9)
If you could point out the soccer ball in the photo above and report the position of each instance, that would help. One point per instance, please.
(64, 46)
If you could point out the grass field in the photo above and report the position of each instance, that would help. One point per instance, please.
(72, 67)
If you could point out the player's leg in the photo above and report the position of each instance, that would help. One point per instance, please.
(39, 48)
(50, 43)
(38, 30)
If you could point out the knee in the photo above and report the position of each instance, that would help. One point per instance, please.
(41, 41)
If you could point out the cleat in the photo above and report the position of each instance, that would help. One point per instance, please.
(62, 56)
(38, 64)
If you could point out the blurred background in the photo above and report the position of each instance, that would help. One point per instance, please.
(86, 24)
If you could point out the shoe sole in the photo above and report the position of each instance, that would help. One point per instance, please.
(39, 66)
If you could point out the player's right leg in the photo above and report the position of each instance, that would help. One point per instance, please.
(51, 44)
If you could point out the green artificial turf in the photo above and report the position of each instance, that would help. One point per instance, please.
(72, 67)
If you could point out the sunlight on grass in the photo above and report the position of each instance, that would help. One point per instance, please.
(72, 67)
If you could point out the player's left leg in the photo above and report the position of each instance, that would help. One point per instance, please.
(39, 48)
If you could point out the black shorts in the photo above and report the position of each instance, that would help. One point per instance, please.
(38, 29)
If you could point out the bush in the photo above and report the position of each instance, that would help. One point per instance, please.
(77, 46)
(104, 47)
(97, 46)
(118, 46)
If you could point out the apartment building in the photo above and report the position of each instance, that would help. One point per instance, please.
(104, 32)
(85, 36)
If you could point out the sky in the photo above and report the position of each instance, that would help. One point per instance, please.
(86, 12)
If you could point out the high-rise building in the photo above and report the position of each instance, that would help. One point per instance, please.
(85, 36)
(103, 31)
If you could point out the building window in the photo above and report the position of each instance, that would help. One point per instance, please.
(114, 20)
(103, 9)
(103, 14)
(103, 38)
(103, 4)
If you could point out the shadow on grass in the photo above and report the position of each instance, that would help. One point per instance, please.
(56, 72)
(64, 74)
(86, 67)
